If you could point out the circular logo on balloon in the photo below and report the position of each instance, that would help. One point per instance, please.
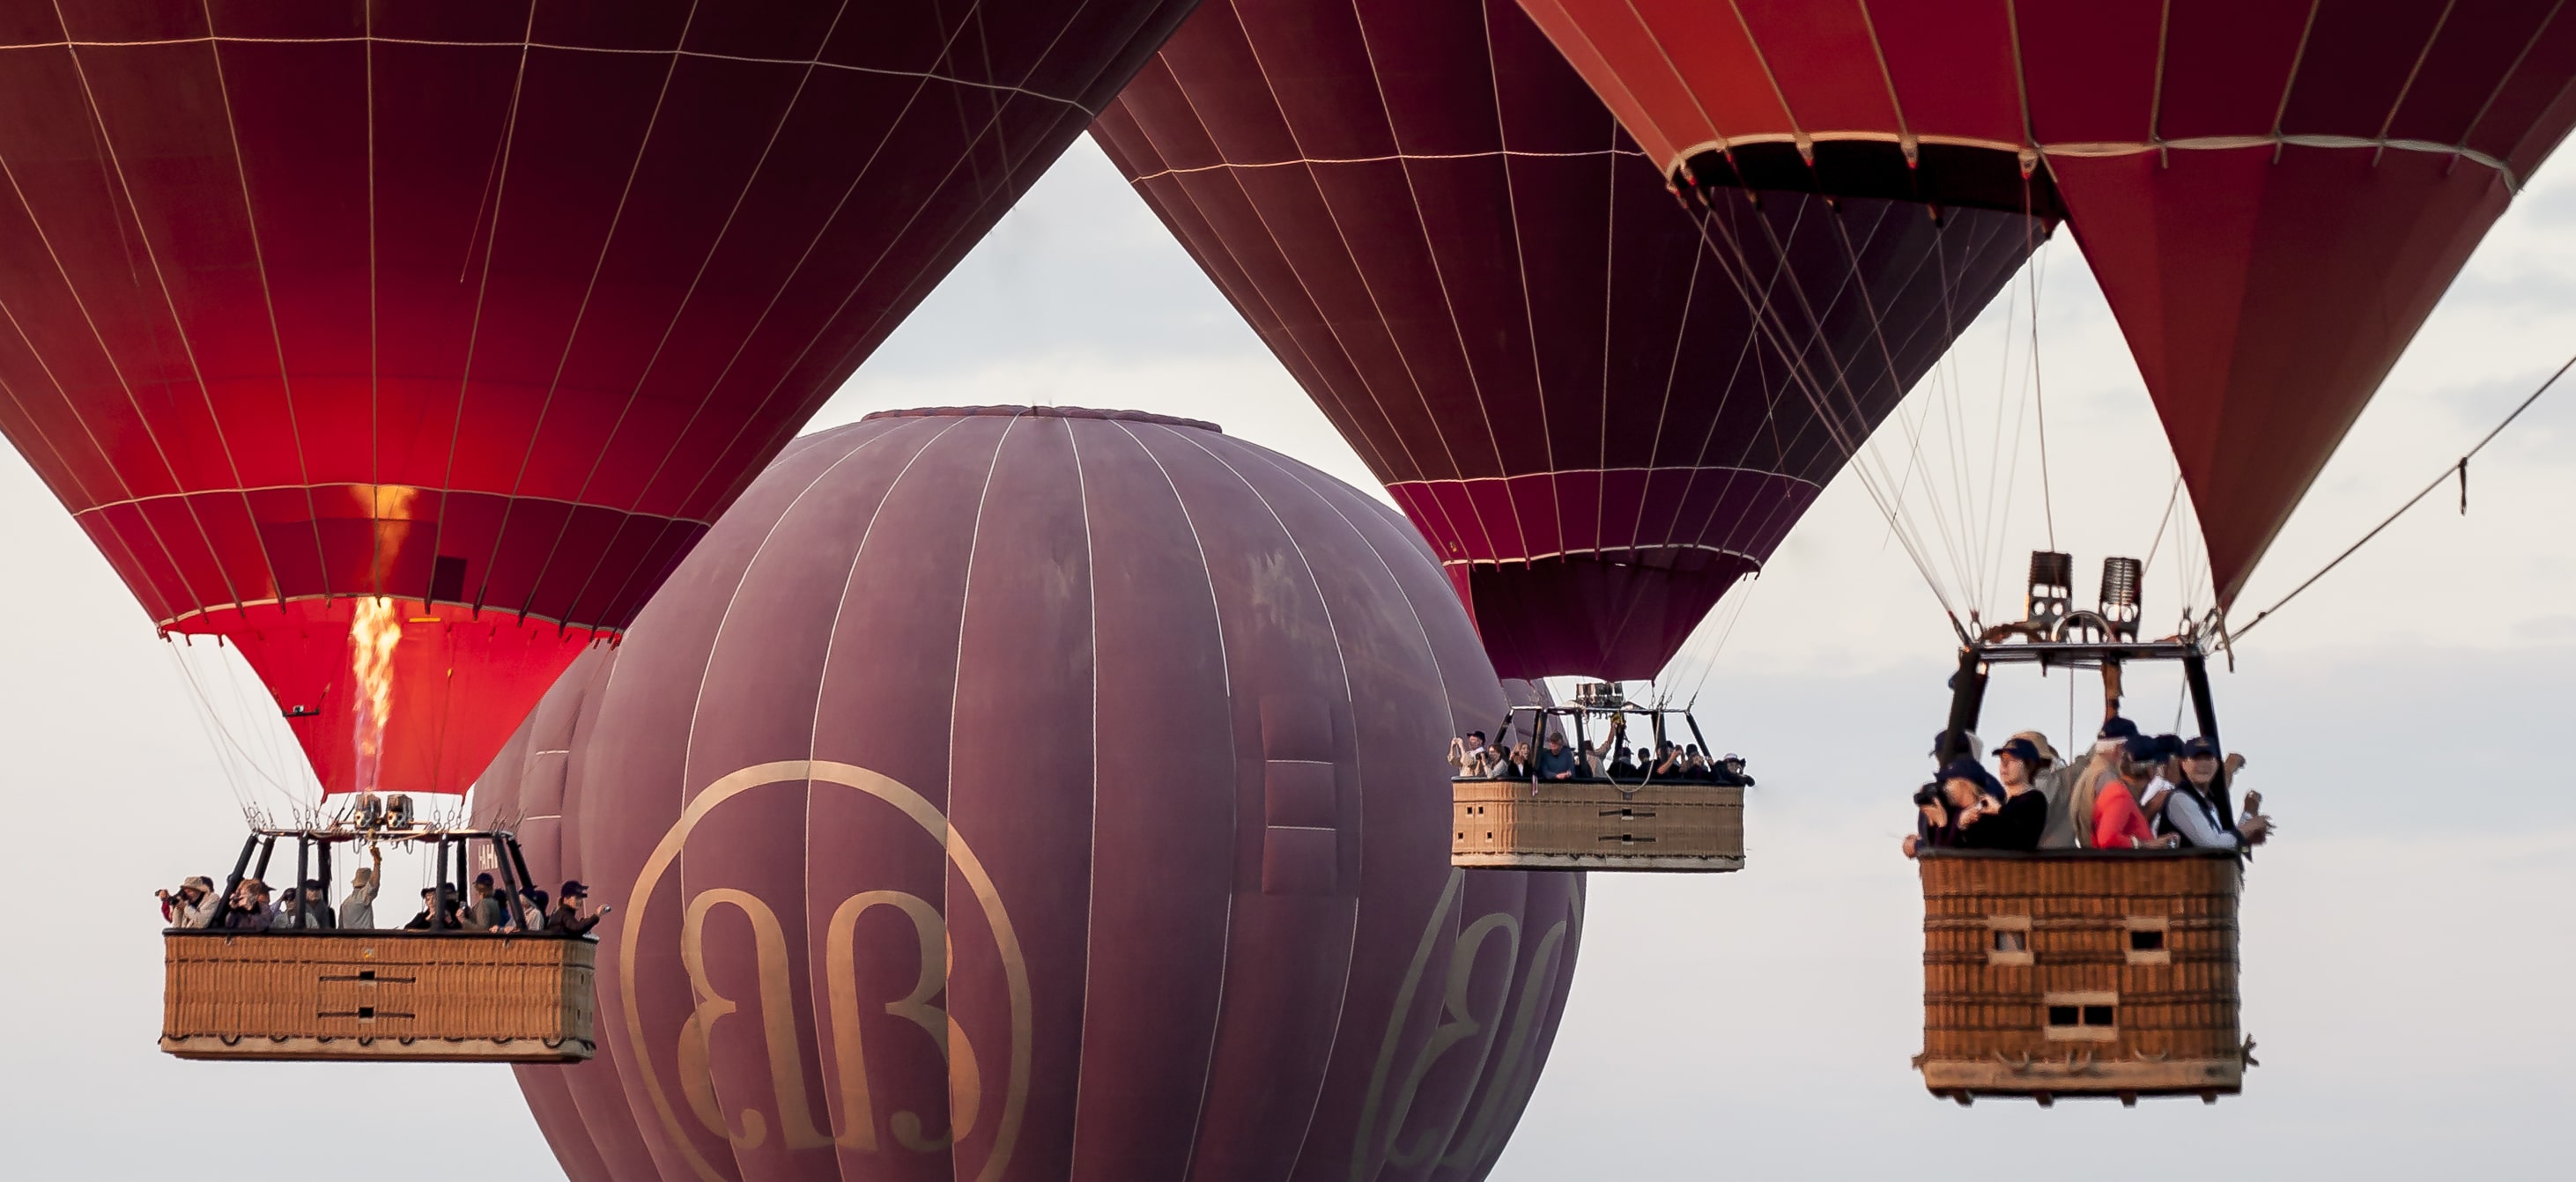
(856, 1125)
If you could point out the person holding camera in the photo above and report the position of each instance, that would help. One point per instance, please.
(2117, 822)
(2188, 812)
(250, 909)
(1469, 757)
(566, 919)
(193, 906)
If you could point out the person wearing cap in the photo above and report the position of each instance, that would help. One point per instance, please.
(2190, 814)
(358, 909)
(1469, 757)
(306, 907)
(566, 919)
(192, 907)
(485, 913)
(2017, 822)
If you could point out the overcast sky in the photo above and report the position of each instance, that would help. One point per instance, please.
(2407, 939)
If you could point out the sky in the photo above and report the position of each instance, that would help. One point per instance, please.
(2406, 942)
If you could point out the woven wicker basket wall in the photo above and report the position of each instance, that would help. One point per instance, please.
(381, 995)
(1505, 823)
(2141, 947)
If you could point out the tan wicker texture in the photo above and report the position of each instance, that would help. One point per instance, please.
(2080, 974)
(1596, 826)
(380, 995)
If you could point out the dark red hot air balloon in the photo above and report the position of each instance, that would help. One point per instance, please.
(1039, 794)
(1438, 228)
(2272, 194)
(407, 344)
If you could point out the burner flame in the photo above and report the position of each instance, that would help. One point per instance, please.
(373, 632)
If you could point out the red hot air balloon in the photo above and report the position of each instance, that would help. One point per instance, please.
(1047, 794)
(1435, 225)
(407, 345)
(2272, 195)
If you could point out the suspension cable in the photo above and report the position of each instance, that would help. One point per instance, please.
(2458, 468)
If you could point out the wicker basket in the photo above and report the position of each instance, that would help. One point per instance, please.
(2092, 973)
(454, 997)
(1561, 825)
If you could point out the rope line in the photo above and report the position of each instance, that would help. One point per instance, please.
(2459, 468)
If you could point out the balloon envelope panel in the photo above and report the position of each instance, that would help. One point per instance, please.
(484, 305)
(1012, 793)
(2273, 196)
(1444, 235)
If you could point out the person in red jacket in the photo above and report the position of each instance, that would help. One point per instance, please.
(2117, 822)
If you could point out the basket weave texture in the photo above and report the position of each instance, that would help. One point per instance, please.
(1506, 823)
(377, 995)
(2083, 915)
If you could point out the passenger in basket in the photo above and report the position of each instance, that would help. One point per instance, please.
(2189, 812)
(1695, 763)
(1468, 755)
(1556, 761)
(358, 910)
(486, 913)
(447, 917)
(1948, 807)
(192, 907)
(2117, 821)
(1671, 764)
(2017, 822)
(1730, 772)
(2084, 780)
(251, 911)
(532, 909)
(1621, 766)
(566, 919)
(1515, 766)
(309, 910)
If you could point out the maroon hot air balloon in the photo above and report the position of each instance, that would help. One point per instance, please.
(1020, 793)
(407, 344)
(2272, 193)
(1438, 228)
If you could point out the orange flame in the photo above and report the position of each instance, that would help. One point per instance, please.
(373, 631)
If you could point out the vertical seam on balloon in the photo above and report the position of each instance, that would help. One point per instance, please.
(500, 187)
(1717, 415)
(679, 310)
(572, 334)
(1674, 68)
(1359, 783)
(1288, 340)
(1797, 132)
(98, 125)
(794, 272)
(1887, 74)
(1225, 670)
(177, 571)
(2021, 87)
(903, 302)
(956, 691)
(1609, 302)
(1430, 651)
(276, 335)
(1520, 270)
(1393, 346)
(831, 641)
(2506, 78)
(867, 340)
(1091, 858)
(2156, 84)
(2412, 73)
(698, 699)
(2290, 81)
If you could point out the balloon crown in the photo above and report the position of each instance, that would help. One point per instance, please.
(1042, 412)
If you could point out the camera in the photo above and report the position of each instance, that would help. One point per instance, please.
(1927, 794)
